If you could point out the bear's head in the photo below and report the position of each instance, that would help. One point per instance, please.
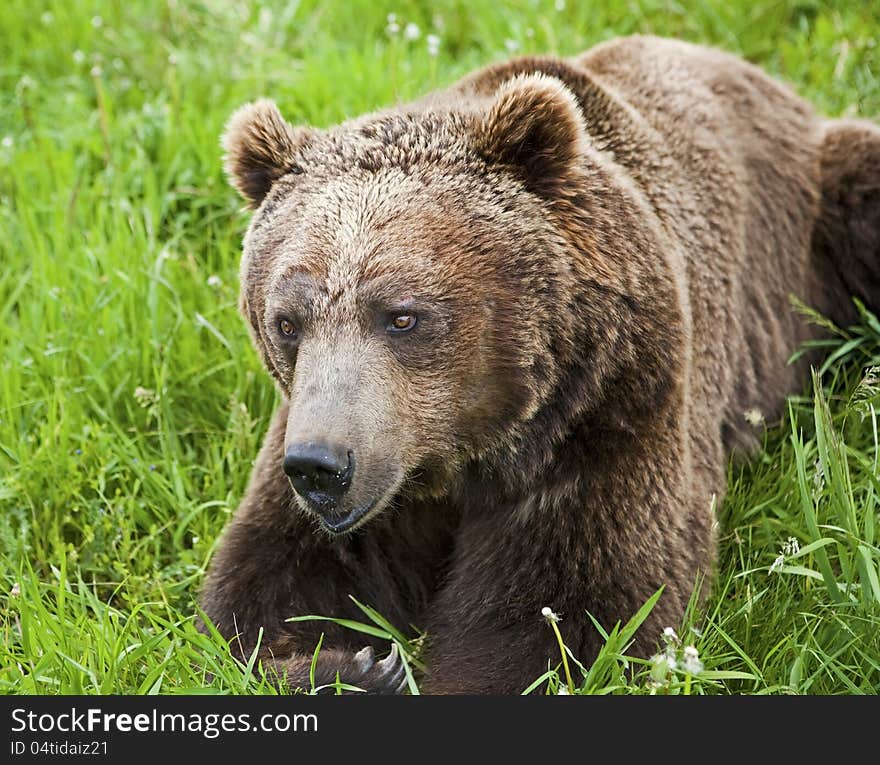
(407, 282)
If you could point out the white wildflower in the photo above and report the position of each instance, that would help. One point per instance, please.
(393, 28)
(145, 396)
(560, 5)
(7, 142)
(95, 71)
(47, 18)
(214, 280)
(265, 19)
(97, 22)
(670, 635)
(789, 548)
(511, 45)
(549, 614)
(15, 591)
(433, 42)
(78, 57)
(754, 417)
(173, 59)
(411, 32)
(659, 669)
(692, 663)
(563, 690)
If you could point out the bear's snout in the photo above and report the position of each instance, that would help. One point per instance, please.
(320, 473)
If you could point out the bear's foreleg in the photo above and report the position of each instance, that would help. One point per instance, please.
(274, 562)
(634, 520)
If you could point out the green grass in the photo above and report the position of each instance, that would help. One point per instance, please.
(131, 401)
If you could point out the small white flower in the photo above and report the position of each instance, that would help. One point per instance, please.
(549, 615)
(433, 42)
(692, 663)
(118, 64)
(95, 71)
(15, 591)
(7, 142)
(791, 547)
(173, 59)
(511, 45)
(670, 635)
(777, 564)
(195, 540)
(145, 396)
(393, 27)
(214, 280)
(411, 32)
(97, 22)
(754, 417)
(560, 5)
(47, 18)
(562, 690)
(391, 18)
(659, 669)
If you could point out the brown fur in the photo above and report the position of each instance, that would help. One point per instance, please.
(600, 252)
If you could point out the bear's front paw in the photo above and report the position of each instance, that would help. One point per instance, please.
(360, 670)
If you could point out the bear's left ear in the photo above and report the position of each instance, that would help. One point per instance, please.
(260, 147)
(535, 126)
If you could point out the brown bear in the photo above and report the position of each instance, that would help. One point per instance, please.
(516, 325)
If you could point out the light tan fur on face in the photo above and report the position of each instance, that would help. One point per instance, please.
(345, 240)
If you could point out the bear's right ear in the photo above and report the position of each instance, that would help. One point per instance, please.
(259, 148)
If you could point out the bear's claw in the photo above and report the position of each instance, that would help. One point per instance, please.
(386, 677)
(364, 659)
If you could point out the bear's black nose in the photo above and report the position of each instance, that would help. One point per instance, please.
(320, 473)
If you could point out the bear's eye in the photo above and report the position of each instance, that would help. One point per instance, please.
(402, 322)
(286, 327)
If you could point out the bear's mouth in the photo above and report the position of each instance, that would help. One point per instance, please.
(339, 524)
(338, 516)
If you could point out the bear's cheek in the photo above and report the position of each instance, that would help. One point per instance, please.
(447, 409)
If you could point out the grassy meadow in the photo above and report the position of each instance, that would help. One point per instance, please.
(132, 403)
